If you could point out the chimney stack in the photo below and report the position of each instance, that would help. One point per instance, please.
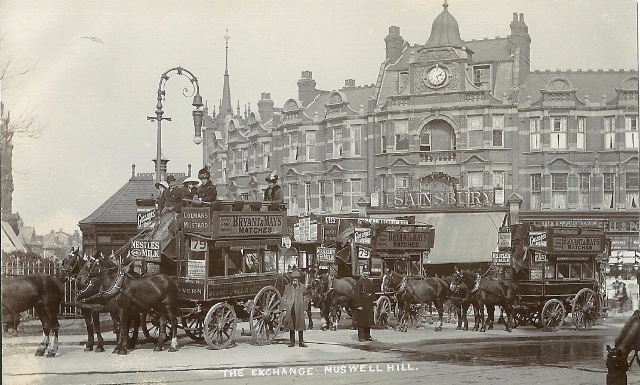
(394, 43)
(265, 107)
(307, 88)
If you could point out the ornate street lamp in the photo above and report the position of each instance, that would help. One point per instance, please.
(197, 112)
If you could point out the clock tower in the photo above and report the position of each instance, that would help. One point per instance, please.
(441, 63)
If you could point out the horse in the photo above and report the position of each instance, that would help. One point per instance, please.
(156, 294)
(628, 340)
(460, 300)
(411, 291)
(80, 268)
(488, 292)
(42, 292)
(330, 294)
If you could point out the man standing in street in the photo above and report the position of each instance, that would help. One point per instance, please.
(294, 304)
(363, 300)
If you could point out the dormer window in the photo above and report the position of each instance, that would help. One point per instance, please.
(482, 76)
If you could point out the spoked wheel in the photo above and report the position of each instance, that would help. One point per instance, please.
(151, 328)
(586, 309)
(265, 317)
(382, 312)
(553, 314)
(220, 325)
(193, 326)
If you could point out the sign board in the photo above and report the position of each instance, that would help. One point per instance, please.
(146, 217)
(539, 257)
(577, 243)
(196, 244)
(196, 220)
(386, 221)
(249, 225)
(504, 241)
(498, 196)
(286, 242)
(390, 240)
(500, 259)
(152, 268)
(375, 199)
(572, 258)
(538, 238)
(326, 254)
(362, 235)
(363, 253)
(196, 268)
(145, 250)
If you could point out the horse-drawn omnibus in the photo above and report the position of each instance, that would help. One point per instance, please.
(225, 260)
(559, 271)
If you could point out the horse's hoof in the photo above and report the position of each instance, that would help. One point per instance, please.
(51, 354)
(438, 329)
(490, 327)
(172, 350)
(157, 349)
(88, 349)
(458, 328)
(99, 349)
(39, 353)
(122, 352)
(465, 329)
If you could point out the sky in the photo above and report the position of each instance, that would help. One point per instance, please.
(94, 69)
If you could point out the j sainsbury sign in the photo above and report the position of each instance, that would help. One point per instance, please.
(428, 199)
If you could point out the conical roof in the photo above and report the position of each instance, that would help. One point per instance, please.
(444, 31)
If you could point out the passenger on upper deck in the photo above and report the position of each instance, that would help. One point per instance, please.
(207, 191)
(162, 191)
(191, 185)
(173, 196)
(273, 193)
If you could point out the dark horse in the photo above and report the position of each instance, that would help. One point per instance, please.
(411, 291)
(627, 341)
(461, 300)
(488, 292)
(42, 292)
(330, 294)
(130, 296)
(80, 267)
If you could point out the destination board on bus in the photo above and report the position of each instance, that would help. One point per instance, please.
(419, 240)
(248, 225)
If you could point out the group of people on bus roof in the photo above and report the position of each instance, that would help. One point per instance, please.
(196, 191)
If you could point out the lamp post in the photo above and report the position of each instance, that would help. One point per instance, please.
(197, 112)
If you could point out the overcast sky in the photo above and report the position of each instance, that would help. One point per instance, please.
(97, 64)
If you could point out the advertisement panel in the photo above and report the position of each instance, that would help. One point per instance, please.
(500, 259)
(196, 220)
(389, 240)
(146, 217)
(145, 250)
(326, 254)
(249, 225)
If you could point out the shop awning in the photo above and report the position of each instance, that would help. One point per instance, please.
(463, 237)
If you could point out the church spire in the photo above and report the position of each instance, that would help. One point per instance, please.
(225, 106)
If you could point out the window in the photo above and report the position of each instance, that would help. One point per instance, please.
(307, 197)
(482, 76)
(311, 145)
(256, 159)
(580, 139)
(245, 160)
(559, 133)
(385, 128)
(631, 132)
(609, 185)
(425, 140)
(558, 182)
(632, 189)
(323, 196)
(401, 132)
(584, 184)
(498, 131)
(233, 162)
(223, 167)
(475, 179)
(356, 192)
(474, 125)
(356, 140)
(498, 179)
(337, 142)
(337, 195)
(609, 132)
(535, 191)
(244, 196)
(266, 155)
(293, 146)
(293, 198)
(402, 182)
(534, 133)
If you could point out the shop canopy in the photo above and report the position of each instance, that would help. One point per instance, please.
(463, 237)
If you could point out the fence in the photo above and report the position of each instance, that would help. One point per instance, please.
(17, 267)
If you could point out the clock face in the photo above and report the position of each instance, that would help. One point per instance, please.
(436, 76)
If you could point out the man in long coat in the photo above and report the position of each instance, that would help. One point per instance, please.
(363, 301)
(294, 304)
